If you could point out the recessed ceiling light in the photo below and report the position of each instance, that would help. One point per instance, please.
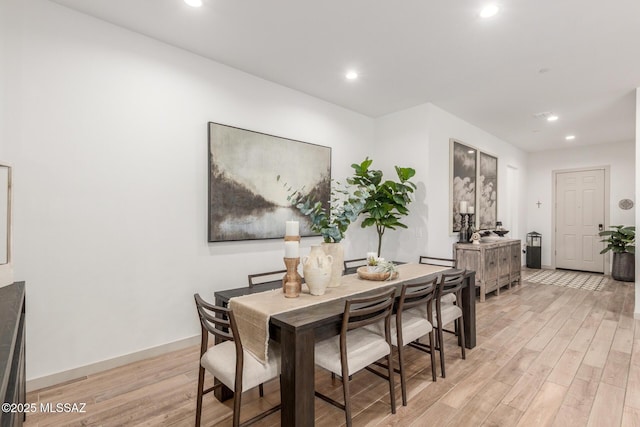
(552, 118)
(489, 10)
(570, 137)
(351, 75)
(194, 3)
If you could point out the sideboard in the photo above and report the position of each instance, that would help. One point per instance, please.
(497, 264)
(12, 362)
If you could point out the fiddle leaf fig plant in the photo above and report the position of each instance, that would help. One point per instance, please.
(387, 201)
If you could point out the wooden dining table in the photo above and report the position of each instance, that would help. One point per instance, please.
(297, 332)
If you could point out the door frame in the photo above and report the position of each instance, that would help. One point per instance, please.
(607, 205)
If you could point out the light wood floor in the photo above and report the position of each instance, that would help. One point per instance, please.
(546, 356)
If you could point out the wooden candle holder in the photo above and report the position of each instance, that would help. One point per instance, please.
(292, 281)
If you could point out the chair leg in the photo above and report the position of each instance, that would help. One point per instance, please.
(199, 398)
(433, 355)
(403, 385)
(392, 387)
(441, 348)
(347, 400)
(462, 337)
(237, 400)
(261, 390)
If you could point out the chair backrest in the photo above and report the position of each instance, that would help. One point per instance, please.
(450, 283)
(443, 262)
(263, 278)
(359, 312)
(354, 263)
(417, 294)
(217, 321)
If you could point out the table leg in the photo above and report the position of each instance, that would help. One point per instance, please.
(297, 381)
(469, 308)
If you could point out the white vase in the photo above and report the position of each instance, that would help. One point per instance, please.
(317, 270)
(337, 252)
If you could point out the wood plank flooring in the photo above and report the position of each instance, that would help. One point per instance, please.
(546, 356)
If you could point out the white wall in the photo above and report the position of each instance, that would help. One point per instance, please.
(621, 159)
(419, 138)
(109, 145)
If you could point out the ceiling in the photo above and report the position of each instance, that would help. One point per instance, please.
(578, 59)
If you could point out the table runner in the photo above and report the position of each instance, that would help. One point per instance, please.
(252, 312)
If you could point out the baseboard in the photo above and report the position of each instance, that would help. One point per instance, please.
(82, 371)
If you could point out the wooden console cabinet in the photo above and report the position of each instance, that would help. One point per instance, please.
(496, 264)
(12, 372)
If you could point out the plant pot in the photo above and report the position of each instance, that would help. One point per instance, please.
(624, 267)
(317, 270)
(337, 252)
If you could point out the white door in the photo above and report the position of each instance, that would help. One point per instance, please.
(579, 218)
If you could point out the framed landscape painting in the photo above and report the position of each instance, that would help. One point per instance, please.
(487, 191)
(246, 200)
(463, 180)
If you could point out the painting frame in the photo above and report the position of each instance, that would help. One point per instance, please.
(250, 175)
(487, 211)
(463, 163)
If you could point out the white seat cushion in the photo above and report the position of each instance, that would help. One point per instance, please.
(448, 298)
(414, 326)
(363, 348)
(220, 361)
(450, 312)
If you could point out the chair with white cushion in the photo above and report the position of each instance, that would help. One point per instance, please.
(411, 322)
(442, 262)
(351, 265)
(449, 309)
(228, 362)
(265, 278)
(357, 347)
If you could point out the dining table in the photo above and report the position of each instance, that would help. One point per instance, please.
(298, 330)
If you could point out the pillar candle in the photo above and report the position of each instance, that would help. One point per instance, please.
(292, 228)
(292, 249)
(471, 210)
(463, 206)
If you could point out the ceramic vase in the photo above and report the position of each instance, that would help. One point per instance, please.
(337, 253)
(317, 270)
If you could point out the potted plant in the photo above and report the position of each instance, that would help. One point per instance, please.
(345, 206)
(621, 241)
(387, 200)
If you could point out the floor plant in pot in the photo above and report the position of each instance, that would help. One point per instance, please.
(347, 201)
(621, 241)
(387, 201)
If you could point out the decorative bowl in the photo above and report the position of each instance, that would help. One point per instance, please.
(501, 233)
(365, 274)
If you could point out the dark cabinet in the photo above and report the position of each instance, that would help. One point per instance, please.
(12, 357)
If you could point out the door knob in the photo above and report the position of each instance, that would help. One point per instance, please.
(600, 227)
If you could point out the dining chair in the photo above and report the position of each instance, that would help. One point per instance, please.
(442, 262)
(357, 347)
(228, 362)
(449, 309)
(264, 278)
(412, 321)
(350, 265)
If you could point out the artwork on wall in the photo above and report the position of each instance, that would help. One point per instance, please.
(246, 201)
(487, 212)
(463, 180)
(474, 180)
